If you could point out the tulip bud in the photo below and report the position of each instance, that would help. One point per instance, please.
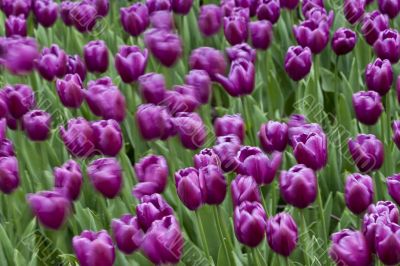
(95, 54)
(208, 59)
(387, 243)
(210, 19)
(6, 148)
(162, 127)
(269, 10)
(163, 20)
(75, 65)
(78, 137)
(298, 186)
(230, 124)
(244, 188)
(20, 99)
(250, 223)
(130, 62)
(298, 62)
(9, 174)
(37, 125)
(107, 137)
(204, 158)
(389, 7)
(214, 184)
(127, 233)
(379, 76)
(16, 7)
(261, 34)
(65, 12)
(106, 176)
(348, 242)
(235, 29)
(152, 207)
(353, 10)
(191, 130)
(387, 46)
(282, 234)
(70, 90)
(16, 26)
(84, 16)
(68, 179)
(157, 5)
(201, 83)
(393, 186)
(367, 152)
(273, 136)
(343, 41)
(359, 192)
(296, 131)
(50, 207)
(311, 149)
(367, 106)
(242, 50)
(369, 225)
(135, 19)
(52, 63)
(181, 98)
(94, 248)
(152, 87)
(188, 186)
(165, 46)
(181, 6)
(372, 25)
(312, 34)
(226, 149)
(46, 12)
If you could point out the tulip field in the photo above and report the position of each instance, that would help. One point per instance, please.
(199, 132)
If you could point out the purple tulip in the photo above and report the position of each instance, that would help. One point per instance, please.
(78, 137)
(6, 148)
(210, 19)
(387, 46)
(157, 5)
(205, 157)
(367, 106)
(37, 125)
(289, 4)
(106, 176)
(353, 10)
(70, 90)
(163, 242)
(298, 62)
(165, 46)
(261, 34)
(75, 65)
(389, 7)
(65, 12)
(16, 7)
(230, 124)
(9, 174)
(349, 248)
(181, 6)
(189, 187)
(135, 19)
(214, 184)
(94, 248)
(307, 5)
(201, 83)
(387, 209)
(161, 128)
(396, 132)
(393, 186)
(313, 35)
(152, 207)
(19, 98)
(282, 234)
(16, 25)
(208, 59)
(127, 233)
(367, 152)
(182, 98)
(50, 207)
(152, 87)
(359, 192)
(244, 153)
(250, 223)
(242, 50)
(372, 25)
(269, 10)
(295, 132)
(163, 20)
(343, 41)
(130, 62)
(235, 29)
(379, 76)
(95, 54)
(68, 179)
(84, 16)
(102, 6)
(107, 137)
(191, 130)
(248, 4)
(319, 15)
(273, 136)
(152, 174)
(298, 186)
(387, 243)
(226, 150)
(52, 63)
(244, 188)
(227, 7)
(311, 149)
(46, 12)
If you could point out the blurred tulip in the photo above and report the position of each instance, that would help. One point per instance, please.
(165, 46)
(130, 62)
(208, 59)
(235, 29)
(182, 98)
(152, 87)
(242, 50)
(359, 192)
(226, 149)
(343, 41)
(37, 125)
(78, 137)
(387, 46)
(181, 6)
(298, 62)
(84, 16)
(16, 25)
(107, 137)
(393, 187)
(161, 128)
(68, 179)
(70, 90)
(106, 176)
(387, 243)
(367, 106)
(204, 158)
(372, 25)
(269, 10)
(102, 6)
(6, 148)
(127, 233)
(152, 207)
(313, 35)
(75, 65)
(214, 184)
(163, 20)
(273, 136)
(396, 132)
(379, 76)
(65, 12)
(367, 152)
(389, 7)
(261, 34)
(135, 18)
(201, 83)
(19, 98)
(95, 54)
(191, 130)
(353, 10)
(311, 149)
(9, 174)
(244, 188)
(210, 19)
(289, 4)
(52, 62)
(282, 234)
(189, 186)
(157, 5)
(46, 12)
(230, 124)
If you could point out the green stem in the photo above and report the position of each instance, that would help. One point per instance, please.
(203, 236)
(303, 237)
(221, 235)
(321, 212)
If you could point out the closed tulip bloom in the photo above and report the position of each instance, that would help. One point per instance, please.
(387, 243)
(189, 186)
(16, 7)
(163, 20)
(163, 242)
(241, 156)
(387, 209)
(205, 157)
(343, 41)
(320, 15)
(252, 5)
(230, 124)
(107, 137)
(46, 12)
(135, 18)
(78, 137)
(208, 59)
(201, 83)
(9, 174)
(65, 12)
(261, 167)
(19, 98)
(289, 4)
(309, 4)
(389, 7)
(210, 19)
(367, 152)
(295, 131)
(367, 106)
(379, 76)
(298, 62)
(152, 174)
(282, 234)
(244, 188)
(6, 148)
(130, 62)
(165, 46)
(269, 10)
(152, 87)
(106, 176)
(370, 223)
(84, 16)
(68, 179)
(273, 136)
(75, 65)
(226, 149)
(298, 186)
(181, 6)
(37, 125)
(102, 6)
(181, 98)
(70, 90)
(127, 233)
(191, 130)
(94, 248)
(349, 248)
(393, 186)
(242, 50)
(95, 54)
(250, 223)
(16, 25)
(261, 34)
(353, 10)
(162, 126)
(235, 29)
(152, 207)
(214, 184)
(396, 132)
(157, 5)
(52, 63)
(387, 46)
(50, 207)
(359, 192)
(311, 150)
(313, 35)
(372, 25)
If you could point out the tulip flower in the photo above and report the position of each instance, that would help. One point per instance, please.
(46, 12)
(189, 187)
(135, 18)
(152, 87)
(106, 176)
(250, 223)
(163, 20)
(52, 63)
(95, 54)
(68, 179)
(393, 186)
(84, 16)
(230, 124)
(296, 131)
(213, 180)
(379, 76)
(157, 5)
(312, 34)
(226, 149)
(37, 125)
(210, 19)
(94, 248)
(359, 192)
(227, 7)
(208, 59)
(152, 208)
(75, 65)
(16, 7)
(261, 34)
(343, 41)
(350, 248)
(252, 5)
(372, 25)
(367, 152)
(9, 174)
(191, 130)
(235, 29)
(368, 106)
(65, 12)
(353, 10)
(386, 208)
(244, 188)
(70, 90)
(130, 62)
(161, 128)
(182, 98)
(289, 4)
(201, 83)
(165, 46)
(107, 137)
(102, 6)
(389, 7)
(181, 6)
(269, 10)
(19, 98)
(282, 234)
(127, 233)
(50, 207)
(396, 132)
(311, 149)
(319, 15)
(298, 62)
(16, 25)
(387, 46)
(242, 50)
(205, 157)
(6, 148)
(387, 243)
(308, 5)
(273, 136)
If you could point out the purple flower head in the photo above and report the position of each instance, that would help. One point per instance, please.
(68, 179)
(106, 176)
(152, 87)
(226, 149)
(393, 186)
(75, 65)
(387, 46)
(52, 62)
(230, 125)
(165, 46)
(107, 137)
(152, 208)
(201, 83)
(16, 25)
(242, 50)
(353, 10)
(343, 41)
(162, 126)
(210, 19)
(213, 183)
(130, 63)
(78, 137)
(372, 25)
(9, 174)
(244, 188)
(312, 34)
(273, 136)
(127, 233)
(95, 54)
(135, 18)
(269, 10)
(46, 12)
(282, 234)
(37, 125)
(298, 61)
(359, 192)
(208, 59)
(389, 7)
(235, 29)
(19, 98)
(379, 76)
(261, 34)
(367, 152)
(181, 6)
(367, 106)
(191, 130)
(70, 90)
(205, 157)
